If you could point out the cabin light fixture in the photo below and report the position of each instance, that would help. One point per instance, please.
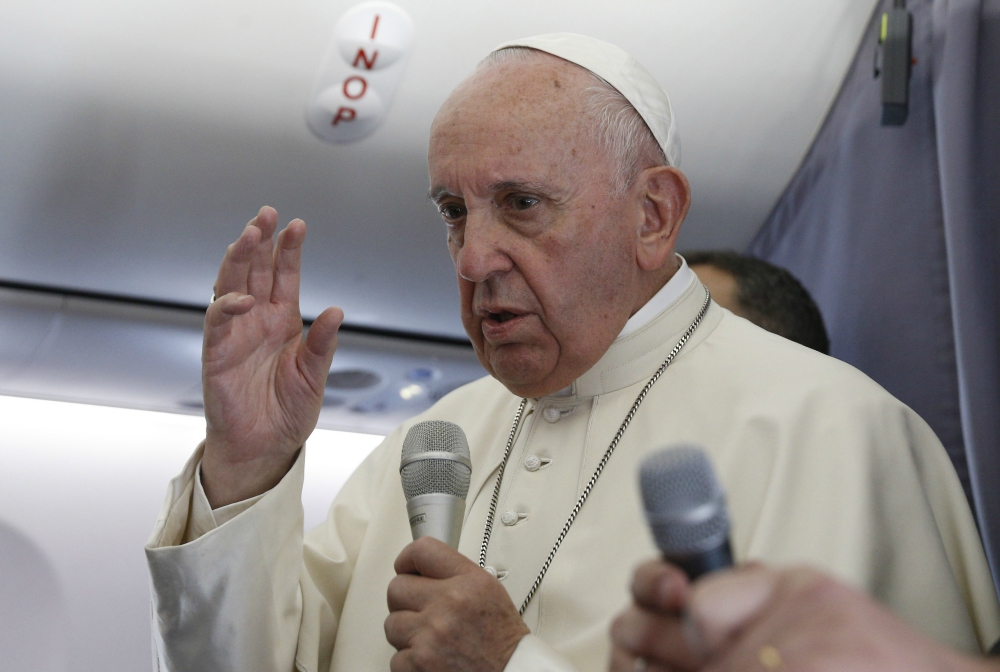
(412, 391)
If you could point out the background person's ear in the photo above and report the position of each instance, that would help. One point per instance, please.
(666, 198)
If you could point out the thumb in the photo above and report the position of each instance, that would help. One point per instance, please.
(723, 603)
(316, 350)
(432, 558)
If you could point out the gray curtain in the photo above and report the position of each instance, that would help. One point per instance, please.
(894, 230)
(967, 109)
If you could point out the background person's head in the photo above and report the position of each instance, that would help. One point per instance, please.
(765, 294)
(561, 213)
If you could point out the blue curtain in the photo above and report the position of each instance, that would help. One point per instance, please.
(896, 233)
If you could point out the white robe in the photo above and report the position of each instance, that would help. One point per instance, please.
(819, 463)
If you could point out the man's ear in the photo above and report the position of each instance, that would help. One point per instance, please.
(666, 198)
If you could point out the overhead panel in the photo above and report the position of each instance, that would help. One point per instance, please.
(119, 353)
(143, 135)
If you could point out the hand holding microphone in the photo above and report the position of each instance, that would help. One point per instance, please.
(754, 617)
(758, 618)
(685, 508)
(445, 612)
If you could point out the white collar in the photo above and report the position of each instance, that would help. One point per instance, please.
(662, 300)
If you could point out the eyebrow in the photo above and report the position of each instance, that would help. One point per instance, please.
(436, 193)
(518, 185)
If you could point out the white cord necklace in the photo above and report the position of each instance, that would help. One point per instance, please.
(597, 472)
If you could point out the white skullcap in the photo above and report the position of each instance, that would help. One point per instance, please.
(621, 71)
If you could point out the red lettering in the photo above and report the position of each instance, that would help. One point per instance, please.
(355, 78)
(375, 26)
(344, 114)
(363, 57)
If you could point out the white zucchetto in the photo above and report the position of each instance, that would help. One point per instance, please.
(620, 70)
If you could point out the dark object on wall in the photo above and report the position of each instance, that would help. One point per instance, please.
(770, 297)
(894, 233)
(893, 61)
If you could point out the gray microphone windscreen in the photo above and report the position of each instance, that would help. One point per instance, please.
(684, 503)
(435, 474)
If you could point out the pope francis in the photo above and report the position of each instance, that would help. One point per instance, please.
(555, 169)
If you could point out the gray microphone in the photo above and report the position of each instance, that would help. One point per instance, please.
(686, 509)
(435, 470)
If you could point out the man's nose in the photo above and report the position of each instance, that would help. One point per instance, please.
(482, 253)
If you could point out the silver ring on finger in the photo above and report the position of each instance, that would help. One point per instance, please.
(213, 299)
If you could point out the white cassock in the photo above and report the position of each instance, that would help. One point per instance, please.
(820, 466)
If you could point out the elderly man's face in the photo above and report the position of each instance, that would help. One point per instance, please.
(545, 257)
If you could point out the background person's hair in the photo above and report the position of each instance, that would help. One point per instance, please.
(620, 128)
(771, 297)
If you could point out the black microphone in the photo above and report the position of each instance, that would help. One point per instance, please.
(435, 470)
(686, 509)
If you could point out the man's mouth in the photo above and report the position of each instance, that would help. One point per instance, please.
(501, 325)
(502, 316)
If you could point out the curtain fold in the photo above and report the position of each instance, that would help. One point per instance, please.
(968, 130)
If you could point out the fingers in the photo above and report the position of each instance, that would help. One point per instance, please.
(260, 275)
(400, 627)
(221, 312)
(408, 592)
(403, 661)
(432, 558)
(316, 350)
(621, 661)
(255, 265)
(654, 637)
(236, 263)
(624, 661)
(288, 263)
(660, 586)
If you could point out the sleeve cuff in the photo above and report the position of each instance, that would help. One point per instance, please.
(229, 601)
(186, 514)
(534, 655)
(203, 519)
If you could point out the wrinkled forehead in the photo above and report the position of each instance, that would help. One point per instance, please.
(532, 86)
(533, 109)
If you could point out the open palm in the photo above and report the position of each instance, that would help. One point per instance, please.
(263, 381)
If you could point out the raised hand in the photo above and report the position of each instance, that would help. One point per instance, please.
(263, 381)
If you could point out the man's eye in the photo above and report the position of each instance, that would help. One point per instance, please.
(523, 202)
(451, 212)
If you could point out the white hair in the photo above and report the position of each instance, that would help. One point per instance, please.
(620, 129)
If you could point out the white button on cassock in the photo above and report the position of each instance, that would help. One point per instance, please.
(552, 414)
(512, 517)
(532, 463)
(491, 571)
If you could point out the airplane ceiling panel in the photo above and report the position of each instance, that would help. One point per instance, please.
(140, 137)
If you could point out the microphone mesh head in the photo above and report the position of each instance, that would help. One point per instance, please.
(435, 475)
(685, 505)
